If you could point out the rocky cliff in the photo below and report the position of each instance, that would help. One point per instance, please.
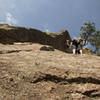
(11, 35)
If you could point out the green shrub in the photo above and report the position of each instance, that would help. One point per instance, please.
(98, 54)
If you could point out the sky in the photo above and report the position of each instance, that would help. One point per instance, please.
(50, 15)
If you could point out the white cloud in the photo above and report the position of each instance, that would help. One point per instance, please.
(10, 19)
(46, 28)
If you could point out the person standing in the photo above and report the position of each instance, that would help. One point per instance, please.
(74, 45)
(80, 45)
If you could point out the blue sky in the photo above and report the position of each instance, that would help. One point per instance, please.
(50, 15)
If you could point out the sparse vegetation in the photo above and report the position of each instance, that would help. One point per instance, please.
(98, 54)
(87, 31)
(48, 33)
(91, 35)
(95, 41)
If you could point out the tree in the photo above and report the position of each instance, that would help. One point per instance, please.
(95, 41)
(87, 30)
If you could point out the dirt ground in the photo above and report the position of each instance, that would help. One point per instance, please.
(28, 73)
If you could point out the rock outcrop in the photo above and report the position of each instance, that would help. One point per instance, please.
(11, 34)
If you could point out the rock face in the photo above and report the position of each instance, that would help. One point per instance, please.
(27, 73)
(11, 34)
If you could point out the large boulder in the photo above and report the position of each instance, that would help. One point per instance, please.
(12, 34)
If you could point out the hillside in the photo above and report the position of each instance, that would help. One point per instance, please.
(28, 73)
(33, 66)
